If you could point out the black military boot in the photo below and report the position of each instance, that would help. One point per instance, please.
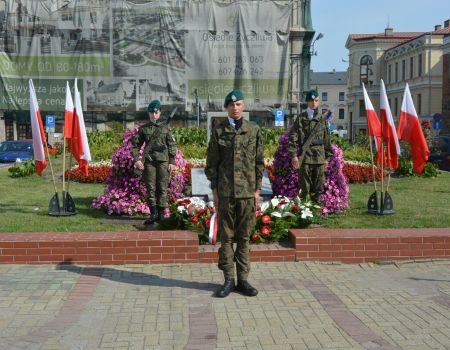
(226, 289)
(246, 288)
(153, 216)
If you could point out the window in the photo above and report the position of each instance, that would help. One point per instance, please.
(389, 74)
(341, 113)
(362, 109)
(396, 106)
(324, 96)
(396, 72)
(411, 67)
(341, 96)
(403, 69)
(365, 69)
(419, 66)
(419, 104)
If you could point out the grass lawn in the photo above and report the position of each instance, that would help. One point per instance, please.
(24, 203)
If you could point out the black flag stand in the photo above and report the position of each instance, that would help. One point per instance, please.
(68, 205)
(385, 207)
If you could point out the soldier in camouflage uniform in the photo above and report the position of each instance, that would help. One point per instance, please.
(312, 158)
(234, 165)
(158, 158)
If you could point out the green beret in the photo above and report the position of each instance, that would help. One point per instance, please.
(154, 106)
(311, 95)
(233, 96)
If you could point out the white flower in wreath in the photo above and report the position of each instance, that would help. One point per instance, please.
(181, 209)
(274, 201)
(264, 206)
(307, 213)
(276, 214)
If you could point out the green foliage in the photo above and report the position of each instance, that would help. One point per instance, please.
(23, 169)
(362, 140)
(405, 168)
(269, 150)
(341, 142)
(102, 144)
(357, 154)
(196, 137)
(193, 151)
(430, 170)
(271, 136)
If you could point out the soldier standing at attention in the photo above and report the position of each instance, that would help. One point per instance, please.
(234, 165)
(157, 159)
(311, 133)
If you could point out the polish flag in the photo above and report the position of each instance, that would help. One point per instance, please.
(409, 130)
(373, 124)
(389, 133)
(68, 114)
(78, 142)
(37, 130)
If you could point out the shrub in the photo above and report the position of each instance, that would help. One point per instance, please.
(23, 169)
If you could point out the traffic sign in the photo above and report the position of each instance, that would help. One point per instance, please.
(279, 117)
(50, 123)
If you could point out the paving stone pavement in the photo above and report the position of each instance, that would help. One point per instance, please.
(299, 306)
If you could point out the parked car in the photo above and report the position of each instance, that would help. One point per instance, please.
(12, 151)
(440, 154)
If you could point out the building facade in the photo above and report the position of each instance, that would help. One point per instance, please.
(332, 88)
(398, 58)
(188, 54)
(446, 86)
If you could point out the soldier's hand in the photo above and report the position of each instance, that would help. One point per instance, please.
(295, 162)
(139, 165)
(172, 167)
(257, 198)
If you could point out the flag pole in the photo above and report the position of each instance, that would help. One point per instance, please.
(64, 173)
(371, 138)
(54, 205)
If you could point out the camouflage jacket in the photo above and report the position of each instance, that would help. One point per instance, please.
(320, 147)
(160, 137)
(235, 160)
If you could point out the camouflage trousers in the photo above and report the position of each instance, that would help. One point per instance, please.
(312, 178)
(156, 179)
(236, 219)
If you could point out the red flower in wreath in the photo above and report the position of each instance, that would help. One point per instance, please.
(265, 231)
(265, 219)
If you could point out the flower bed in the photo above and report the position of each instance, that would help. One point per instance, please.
(125, 193)
(356, 172)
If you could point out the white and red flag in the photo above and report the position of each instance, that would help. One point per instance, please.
(76, 133)
(389, 134)
(37, 130)
(409, 130)
(373, 123)
(68, 114)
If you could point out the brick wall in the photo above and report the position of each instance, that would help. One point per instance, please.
(157, 247)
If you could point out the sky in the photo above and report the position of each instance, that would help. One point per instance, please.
(336, 19)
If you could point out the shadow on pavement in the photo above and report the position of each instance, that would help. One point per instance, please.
(136, 278)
